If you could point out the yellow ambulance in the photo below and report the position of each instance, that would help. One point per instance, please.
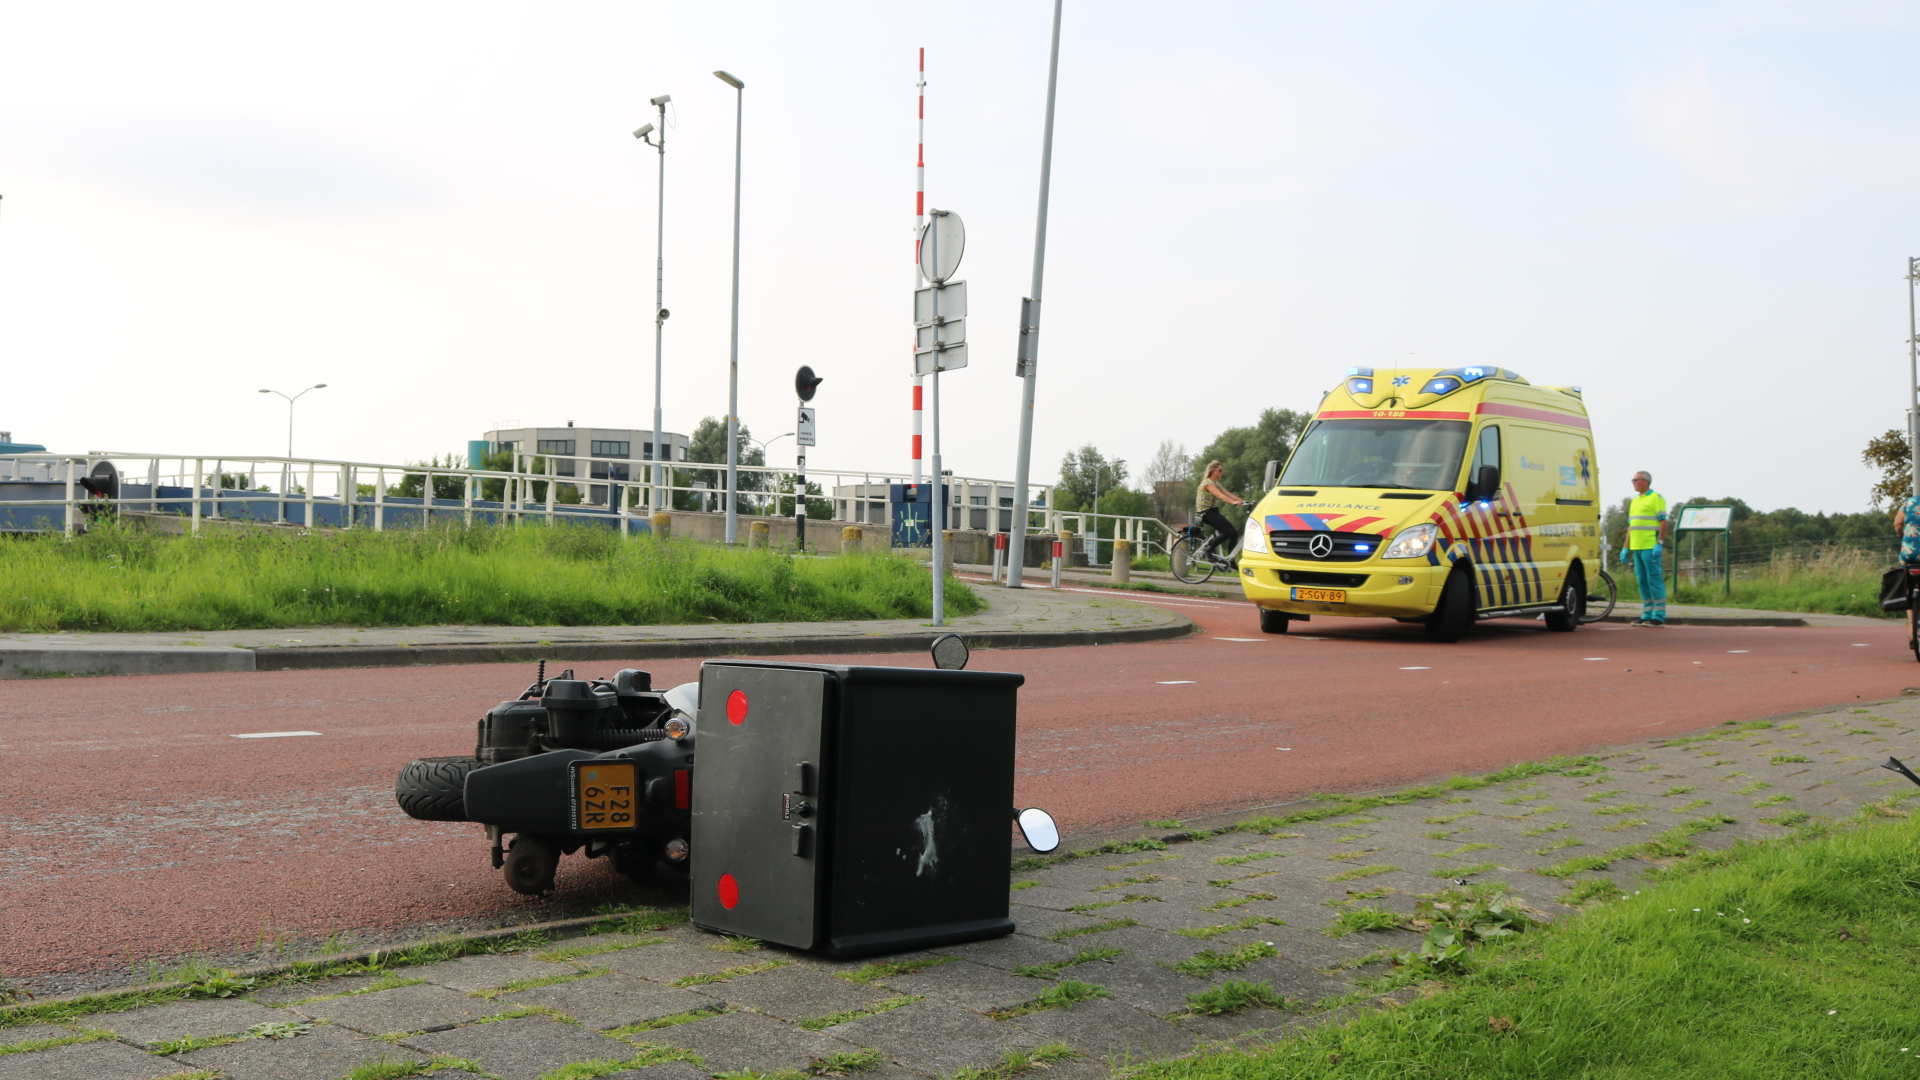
(1440, 497)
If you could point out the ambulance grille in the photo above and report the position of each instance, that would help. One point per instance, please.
(1347, 546)
(1321, 577)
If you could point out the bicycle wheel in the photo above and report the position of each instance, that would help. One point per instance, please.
(1601, 598)
(1188, 564)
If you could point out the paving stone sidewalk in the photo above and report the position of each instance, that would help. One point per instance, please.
(1134, 933)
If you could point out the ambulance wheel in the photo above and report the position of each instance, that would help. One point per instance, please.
(1454, 613)
(1273, 622)
(1573, 599)
(530, 866)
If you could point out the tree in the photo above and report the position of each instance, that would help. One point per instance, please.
(1893, 456)
(1081, 472)
(1243, 452)
(1169, 477)
(709, 444)
(444, 486)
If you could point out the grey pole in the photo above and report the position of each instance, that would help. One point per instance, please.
(1030, 331)
(1913, 375)
(659, 278)
(733, 356)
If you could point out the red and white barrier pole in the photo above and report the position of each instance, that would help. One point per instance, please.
(919, 220)
(999, 555)
(1056, 564)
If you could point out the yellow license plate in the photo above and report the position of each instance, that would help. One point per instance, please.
(604, 795)
(1324, 596)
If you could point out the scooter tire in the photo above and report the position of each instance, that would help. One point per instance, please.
(435, 789)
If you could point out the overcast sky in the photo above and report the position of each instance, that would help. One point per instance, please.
(1697, 212)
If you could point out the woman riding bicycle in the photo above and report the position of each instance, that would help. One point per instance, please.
(1906, 520)
(1206, 503)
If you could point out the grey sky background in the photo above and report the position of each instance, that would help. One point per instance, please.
(1697, 212)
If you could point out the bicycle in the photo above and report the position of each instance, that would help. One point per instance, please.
(1599, 603)
(1192, 557)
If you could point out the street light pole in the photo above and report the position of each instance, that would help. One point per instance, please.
(1913, 376)
(659, 276)
(1030, 329)
(286, 470)
(733, 354)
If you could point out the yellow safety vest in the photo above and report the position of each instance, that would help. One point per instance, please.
(1644, 516)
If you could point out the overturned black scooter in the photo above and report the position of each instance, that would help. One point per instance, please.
(605, 767)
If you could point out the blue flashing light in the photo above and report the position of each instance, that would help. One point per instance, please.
(1359, 386)
(1360, 371)
(1472, 373)
(1444, 384)
(1363, 547)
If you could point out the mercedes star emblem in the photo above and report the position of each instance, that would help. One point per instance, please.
(1320, 546)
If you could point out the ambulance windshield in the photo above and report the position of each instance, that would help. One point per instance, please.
(1420, 454)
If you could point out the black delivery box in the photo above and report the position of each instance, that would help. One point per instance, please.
(853, 810)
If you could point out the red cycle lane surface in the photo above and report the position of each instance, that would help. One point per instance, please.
(137, 825)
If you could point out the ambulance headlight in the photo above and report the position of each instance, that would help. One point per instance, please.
(1256, 540)
(1412, 543)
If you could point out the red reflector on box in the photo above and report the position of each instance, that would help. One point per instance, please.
(729, 892)
(683, 789)
(736, 706)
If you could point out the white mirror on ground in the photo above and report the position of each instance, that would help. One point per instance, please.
(1038, 827)
(949, 652)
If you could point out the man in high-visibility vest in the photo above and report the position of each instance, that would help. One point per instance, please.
(1646, 548)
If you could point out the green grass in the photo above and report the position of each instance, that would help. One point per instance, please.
(1355, 920)
(1096, 928)
(1015, 1060)
(1050, 970)
(129, 578)
(819, 1023)
(1732, 965)
(868, 974)
(1232, 996)
(1241, 860)
(1064, 994)
(730, 973)
(671, 1020)
(573, 952)
(1359, 872)
(26, 1046)
(1209, 961)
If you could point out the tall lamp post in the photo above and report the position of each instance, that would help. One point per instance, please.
(764, 445)
(286, 470)
(733, 354)
(659, 276)
(1029, 353)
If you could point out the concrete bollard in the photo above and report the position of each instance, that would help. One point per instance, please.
(1067, 547)
(662, 523)
(850, 539)
(1122, 561)
(759, 534)
(946, 550)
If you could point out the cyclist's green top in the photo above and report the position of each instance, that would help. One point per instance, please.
(1204, 500)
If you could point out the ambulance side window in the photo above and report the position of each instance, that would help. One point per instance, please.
(1486, 454)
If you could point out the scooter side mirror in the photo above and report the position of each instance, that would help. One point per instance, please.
(949, 652)
(1037, 826)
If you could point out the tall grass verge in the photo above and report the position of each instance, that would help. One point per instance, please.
(120, 577)
(1767, 960)
(1828, 581)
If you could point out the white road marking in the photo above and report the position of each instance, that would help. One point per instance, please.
(1239, 639)
(1283, 748)
(1739, 650)
(1593, 658)
(1416, 669)
(1859, 644)
(274, 734)
(1176, 682)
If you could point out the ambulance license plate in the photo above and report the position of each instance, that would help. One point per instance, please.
(603, 795)
(1323, 596)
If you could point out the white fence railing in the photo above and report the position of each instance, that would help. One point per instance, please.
(52, 491)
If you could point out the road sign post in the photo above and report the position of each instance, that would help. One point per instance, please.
(1712, 519)
(805, 382)
(940, 344)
